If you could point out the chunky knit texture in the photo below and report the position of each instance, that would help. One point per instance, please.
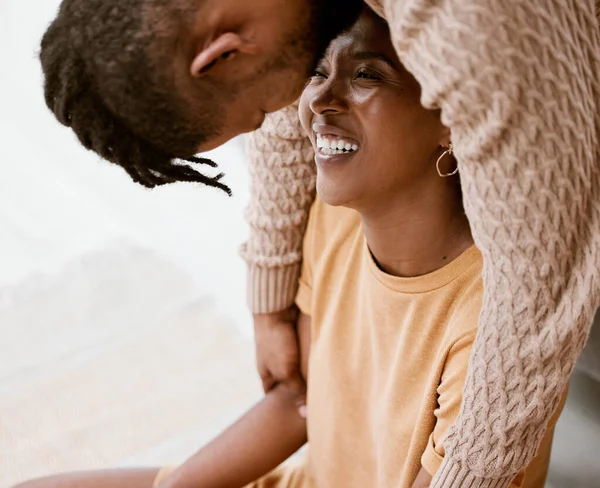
(519, 85)
(283, 179)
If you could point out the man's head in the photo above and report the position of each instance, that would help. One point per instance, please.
(149, 83)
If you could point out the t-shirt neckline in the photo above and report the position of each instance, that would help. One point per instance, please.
(424, 283)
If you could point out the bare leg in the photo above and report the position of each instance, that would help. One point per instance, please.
(119, 478)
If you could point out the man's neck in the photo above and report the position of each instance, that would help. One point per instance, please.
(415, 234)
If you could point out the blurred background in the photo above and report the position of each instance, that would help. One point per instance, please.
(124, 334)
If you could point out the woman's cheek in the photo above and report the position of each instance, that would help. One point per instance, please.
(363, 97)
(305, 114)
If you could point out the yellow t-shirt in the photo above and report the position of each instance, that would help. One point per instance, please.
(388, 361)
(387, 364)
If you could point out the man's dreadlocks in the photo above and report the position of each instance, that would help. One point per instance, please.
(107, 77)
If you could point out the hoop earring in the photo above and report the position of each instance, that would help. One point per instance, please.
(447, 152)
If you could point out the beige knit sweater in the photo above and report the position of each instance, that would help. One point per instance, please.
(518, 84)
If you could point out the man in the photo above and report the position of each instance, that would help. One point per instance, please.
(149, 83)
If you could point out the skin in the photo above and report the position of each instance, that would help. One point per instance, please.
(277, 351)
(258, 54)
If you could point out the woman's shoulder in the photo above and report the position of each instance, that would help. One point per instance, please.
(330, 226)
(330, 230)
(467, 299)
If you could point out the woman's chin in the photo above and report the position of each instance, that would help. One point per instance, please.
(333, 193)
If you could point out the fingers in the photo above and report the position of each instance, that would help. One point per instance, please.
(296, 383)
(301, 406)
(268, 381)
(293, 381)
(303, 411)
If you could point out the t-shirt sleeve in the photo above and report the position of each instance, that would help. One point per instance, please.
(305, 283)
(449, 401)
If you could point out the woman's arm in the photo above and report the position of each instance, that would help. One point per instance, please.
(256, 444)
(517, 85)
(253, 446)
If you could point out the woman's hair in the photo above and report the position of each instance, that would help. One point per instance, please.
(109, 75)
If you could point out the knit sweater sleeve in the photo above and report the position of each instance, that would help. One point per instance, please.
(518, 86)
(282, 177)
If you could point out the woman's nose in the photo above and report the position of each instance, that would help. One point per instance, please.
(329, 97)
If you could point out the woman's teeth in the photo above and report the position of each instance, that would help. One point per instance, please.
(335, 145)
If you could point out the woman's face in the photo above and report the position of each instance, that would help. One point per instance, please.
(362, 112)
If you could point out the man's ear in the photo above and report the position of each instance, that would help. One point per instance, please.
(224, 47)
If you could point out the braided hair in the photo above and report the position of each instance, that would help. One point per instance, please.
(108, 69)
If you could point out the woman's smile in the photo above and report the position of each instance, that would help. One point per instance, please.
(333, 145)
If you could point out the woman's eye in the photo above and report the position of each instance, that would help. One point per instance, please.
(318, 74)
(368, 75)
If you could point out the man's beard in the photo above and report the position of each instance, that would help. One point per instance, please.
(329, 18)
(306, 44)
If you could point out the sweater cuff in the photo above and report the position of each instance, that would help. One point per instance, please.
(453, 475)
(272, 289)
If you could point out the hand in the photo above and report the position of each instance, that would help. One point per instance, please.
(278, 350)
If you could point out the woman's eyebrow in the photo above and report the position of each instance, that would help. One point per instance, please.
(366, 55)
